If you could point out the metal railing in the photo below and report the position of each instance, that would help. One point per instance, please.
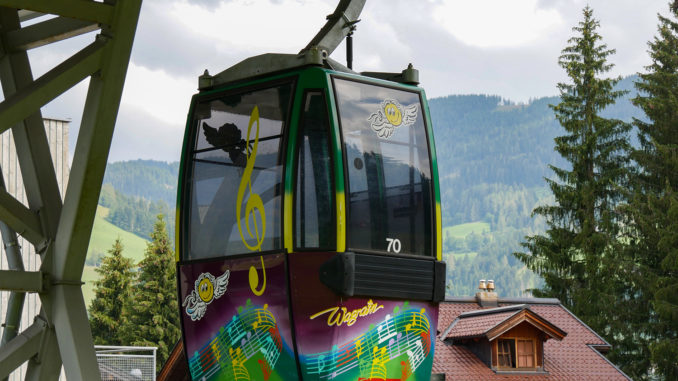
(118, 363)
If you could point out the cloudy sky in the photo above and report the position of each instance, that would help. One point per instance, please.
(504, 47)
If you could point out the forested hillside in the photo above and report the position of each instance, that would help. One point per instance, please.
(149, 179)
(135, 213)
(493, 155)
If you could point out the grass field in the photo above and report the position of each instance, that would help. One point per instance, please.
(461, 231)
(103, 236)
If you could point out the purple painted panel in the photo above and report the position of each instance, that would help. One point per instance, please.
(236, 320)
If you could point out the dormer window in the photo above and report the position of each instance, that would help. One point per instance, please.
(517, 353)
(507, 353)
(507, 339)
(526, 353)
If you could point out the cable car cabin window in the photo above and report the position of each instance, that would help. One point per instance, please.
(237, 173)
(389, 173)
(315, 212)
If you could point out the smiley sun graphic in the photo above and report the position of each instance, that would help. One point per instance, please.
(391, 115)
(207, 288)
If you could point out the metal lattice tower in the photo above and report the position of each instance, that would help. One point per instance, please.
(59, 230)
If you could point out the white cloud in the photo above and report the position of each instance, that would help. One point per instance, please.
(165, 97)
(253, 26)
(496, 23)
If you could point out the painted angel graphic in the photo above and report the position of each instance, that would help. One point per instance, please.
(207, 288)
(391, 115)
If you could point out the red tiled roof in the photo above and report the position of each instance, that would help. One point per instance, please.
(572, 358)
(478, 325)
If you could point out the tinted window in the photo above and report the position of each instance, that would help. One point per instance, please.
(235, 196)
(315, 212)
(389, 175)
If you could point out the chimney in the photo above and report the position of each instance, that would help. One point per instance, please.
(486, 297)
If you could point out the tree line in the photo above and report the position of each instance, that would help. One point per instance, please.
(610, 249)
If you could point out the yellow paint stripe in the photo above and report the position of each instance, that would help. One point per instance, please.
(287, 228)
(341, 222)
(439, 233)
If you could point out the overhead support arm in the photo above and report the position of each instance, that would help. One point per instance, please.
(339, 24)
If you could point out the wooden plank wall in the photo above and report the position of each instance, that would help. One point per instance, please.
(57, 135)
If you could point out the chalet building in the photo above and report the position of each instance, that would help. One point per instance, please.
(487, 338)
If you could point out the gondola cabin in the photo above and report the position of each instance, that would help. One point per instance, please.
(308, 226)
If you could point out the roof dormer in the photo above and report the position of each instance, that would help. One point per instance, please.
(507, 339)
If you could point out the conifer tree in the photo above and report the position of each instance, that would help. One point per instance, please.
(112, 292)
(653, 210)
(153, 312)
(576, 256)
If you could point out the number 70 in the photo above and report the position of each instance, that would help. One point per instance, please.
(393, 245)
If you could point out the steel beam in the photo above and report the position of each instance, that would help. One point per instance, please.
(21, 348)
(62, 231)
(47, 32)
(101, 13)
(93, 145)
(30, 139)
(70, 316)
(20, 218)
(55, 82)
(24, 281)
(46, 364)
(16, 300)
(25, 15)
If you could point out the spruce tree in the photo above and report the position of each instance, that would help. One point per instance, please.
(153, 312)
(577, 255)
(111, 293)
(653, 210)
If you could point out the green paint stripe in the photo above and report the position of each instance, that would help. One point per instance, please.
(434, 179)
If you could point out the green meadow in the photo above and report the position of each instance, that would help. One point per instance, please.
(462, 230)
(103, 236)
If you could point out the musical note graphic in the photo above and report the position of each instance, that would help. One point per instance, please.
(238, 360)
(417, 356)
(254, 279)
(405, 371)
(254, 202)
(385, 331)
(379, 361)
(265, 369)
(250, 333)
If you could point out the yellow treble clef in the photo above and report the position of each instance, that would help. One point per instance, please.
(254, 202)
